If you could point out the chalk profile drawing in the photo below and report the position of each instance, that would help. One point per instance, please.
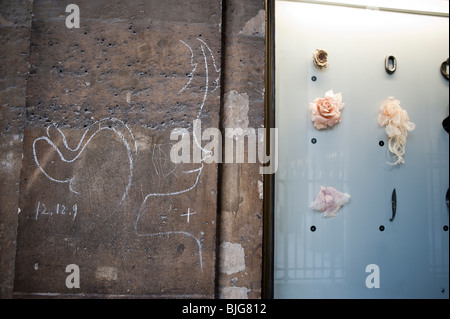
(206, 52)
(125, 134)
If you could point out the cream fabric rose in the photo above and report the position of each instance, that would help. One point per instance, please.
(397, 124)
(326, 111)
(320, 58)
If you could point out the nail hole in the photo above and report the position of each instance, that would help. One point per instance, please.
(381, 228)
(445, 228)
(313, 140)
(381, 143)
(313, 78)
(313, 228)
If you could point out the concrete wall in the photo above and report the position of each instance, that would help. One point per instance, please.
(86, 174)
(241, 193)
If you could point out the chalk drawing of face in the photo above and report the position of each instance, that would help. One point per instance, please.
(190, 173)
(79, 167)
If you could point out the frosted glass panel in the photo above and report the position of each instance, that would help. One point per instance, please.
(360, 253)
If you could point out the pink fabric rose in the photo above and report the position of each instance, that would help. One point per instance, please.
(326, 111)
(329, 200)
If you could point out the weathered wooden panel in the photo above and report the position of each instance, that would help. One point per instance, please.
(98, 187)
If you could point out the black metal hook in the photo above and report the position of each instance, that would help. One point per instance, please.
(444, 69)
(394, 205)
(390, 59)
(446, 124)
(447, 198)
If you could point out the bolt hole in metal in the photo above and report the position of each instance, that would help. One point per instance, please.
(381, 228)
(314, 140)
(313, 228)
(390, 64)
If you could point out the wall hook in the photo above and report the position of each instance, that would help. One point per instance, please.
(446, 124)
(444, 69)
(390, 64)
(394, 205)
(447, 198)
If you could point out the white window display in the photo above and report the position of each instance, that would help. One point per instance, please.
(390, 239)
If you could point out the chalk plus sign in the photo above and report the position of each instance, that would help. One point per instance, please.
(188, 214)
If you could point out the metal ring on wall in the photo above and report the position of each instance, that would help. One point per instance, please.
(444, 69)
(390, 59)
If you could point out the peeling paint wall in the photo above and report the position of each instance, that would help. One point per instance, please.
(234, 293)
(236, 106)
(241, 204)
(256, 26)
(232, 258)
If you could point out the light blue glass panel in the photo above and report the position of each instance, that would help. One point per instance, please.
(412, 251)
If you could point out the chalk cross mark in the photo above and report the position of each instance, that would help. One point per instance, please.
(188, 214)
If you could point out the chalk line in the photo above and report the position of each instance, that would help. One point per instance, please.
(190, 75)
(64, 159)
